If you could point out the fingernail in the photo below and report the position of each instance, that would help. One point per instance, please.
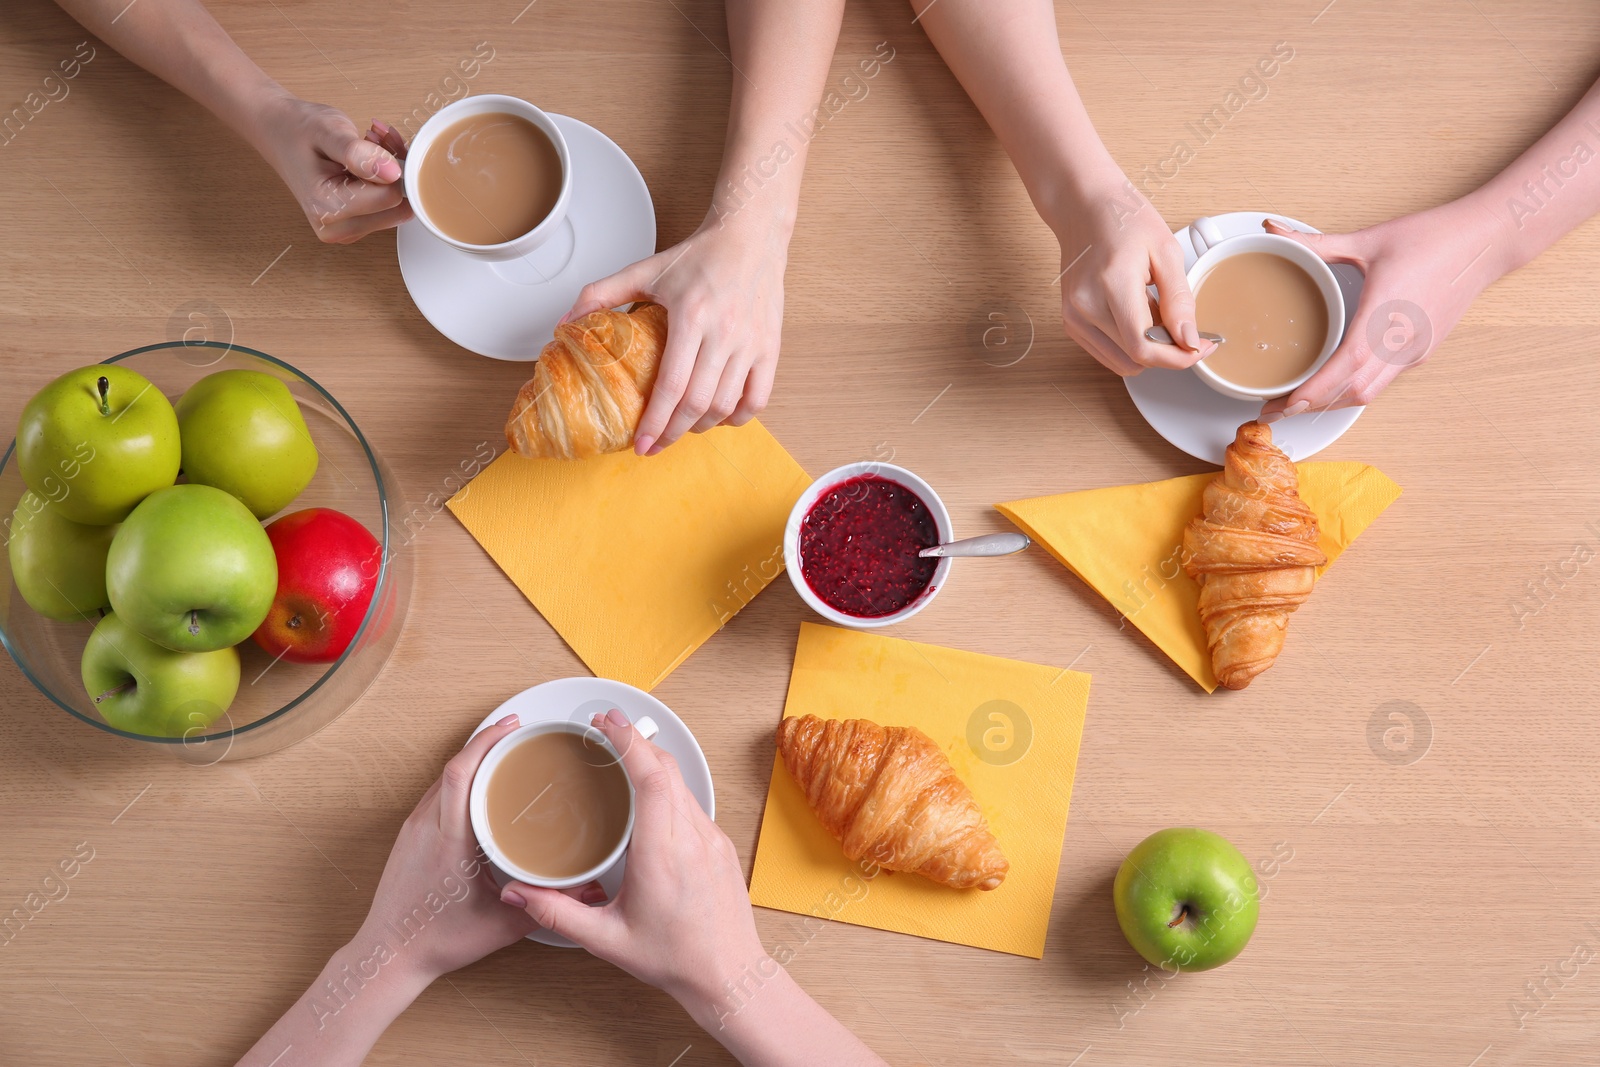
(1269, 418)
(593, 895)
(509, 720)
(389, 170)
(512, 897)
(1296, 408)
(656, 450)
(642, 446)
(1191, 336)
(382, 127)
(616, 718)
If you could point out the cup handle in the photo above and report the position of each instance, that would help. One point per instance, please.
(1205, 234)
(647, 728)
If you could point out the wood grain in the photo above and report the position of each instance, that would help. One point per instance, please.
(1419, 898)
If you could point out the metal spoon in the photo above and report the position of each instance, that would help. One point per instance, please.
(1160, 336)
(995, 544)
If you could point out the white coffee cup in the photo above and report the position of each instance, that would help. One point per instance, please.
(1213, 247)
(478, 798)
(489, 103)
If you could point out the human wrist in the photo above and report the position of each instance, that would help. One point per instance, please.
(1477, 236)
(749, 229)
(1073, 186)
(258, 110)
(376, 955)
(1485, 216)
(712, 992)
(758, 191)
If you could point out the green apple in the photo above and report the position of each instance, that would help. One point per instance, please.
(97, 441)
(1186, 900)
(192, 569)
(142, 688)
(242, 432)
(59, 566)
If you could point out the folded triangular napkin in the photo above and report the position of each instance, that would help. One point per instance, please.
(1125, 542)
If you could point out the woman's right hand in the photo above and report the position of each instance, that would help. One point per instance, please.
(682, 919)
(347, 183)
(1113, 244)
(722, 287)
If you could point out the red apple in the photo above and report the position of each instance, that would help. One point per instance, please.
(328, 567)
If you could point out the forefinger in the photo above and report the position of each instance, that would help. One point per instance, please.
(654, 779)
(456, 782)
(640, 758)
(387, 138)
(1130, 311)
(349, 197)
(672, 378)
(1335, 385)
(1094, 341)
(1176, 299)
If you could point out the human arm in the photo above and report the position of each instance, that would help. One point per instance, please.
(347, 183)
(682, 921)
(723, 285)
(1007, 56)
(1424, 270)
(436, 909)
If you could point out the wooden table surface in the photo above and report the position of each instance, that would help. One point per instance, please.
(1410, 899)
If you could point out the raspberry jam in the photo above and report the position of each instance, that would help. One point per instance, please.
(859, 543)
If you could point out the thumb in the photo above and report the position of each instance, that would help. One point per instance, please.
(366, 160)
(626, 285)
(1332, 247)
(558, 913)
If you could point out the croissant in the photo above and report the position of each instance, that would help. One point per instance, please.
(1253, 549)
(589, 389)
(891, 797)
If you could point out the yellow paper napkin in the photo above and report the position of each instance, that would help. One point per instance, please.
(1011, 730)
(1125, 543)
(637, 561)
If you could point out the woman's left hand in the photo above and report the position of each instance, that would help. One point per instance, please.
(1422, 272)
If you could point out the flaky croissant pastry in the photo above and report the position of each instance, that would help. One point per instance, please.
(891, 797)
(589, 388)
(1253, 549)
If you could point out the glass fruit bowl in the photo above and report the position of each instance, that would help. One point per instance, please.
(279, 702)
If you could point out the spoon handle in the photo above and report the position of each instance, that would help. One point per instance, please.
(1160, 336)
(995, 544)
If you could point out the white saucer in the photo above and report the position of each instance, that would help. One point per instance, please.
(579, 700)
(1201, 421)
(510, 310)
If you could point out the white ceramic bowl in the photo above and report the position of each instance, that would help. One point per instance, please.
(808, 499)
(1300, 256)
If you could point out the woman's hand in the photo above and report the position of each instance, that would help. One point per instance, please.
(347, 183)
(682, 919)
(1422, 271)
(723, 291)
(1113, 244)
(437, 908)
